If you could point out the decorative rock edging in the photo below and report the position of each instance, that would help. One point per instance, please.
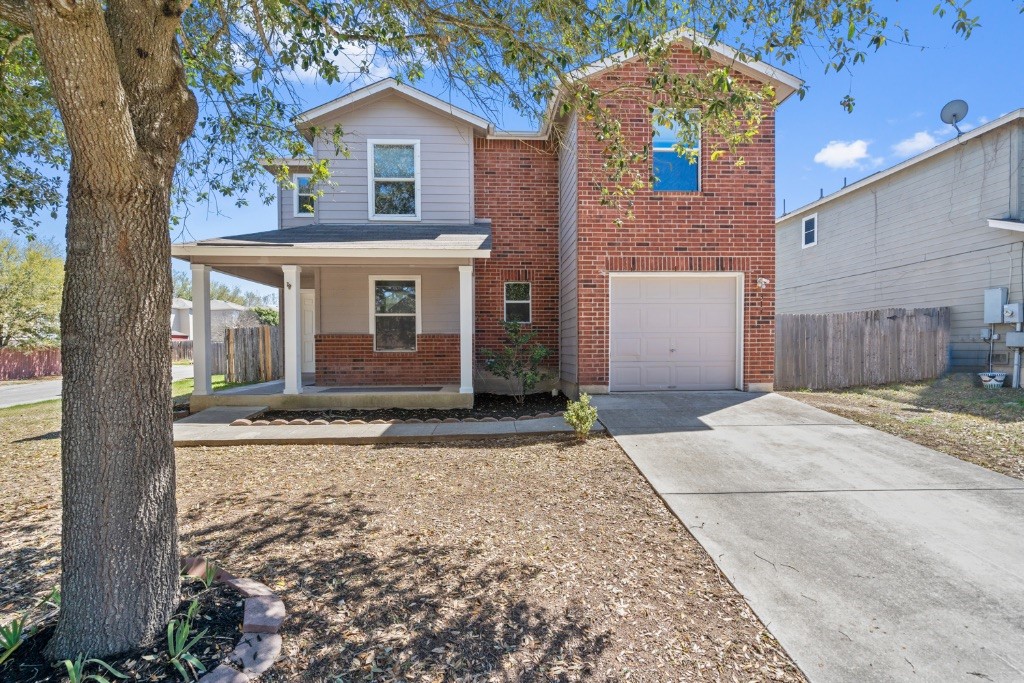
(260, 645)
(434, 420)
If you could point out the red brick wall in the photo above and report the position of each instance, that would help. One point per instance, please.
(349, 360)
(731, 220)
(516, 187)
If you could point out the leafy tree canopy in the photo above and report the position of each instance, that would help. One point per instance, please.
(242, 59)
(31, 277)
(183, 289)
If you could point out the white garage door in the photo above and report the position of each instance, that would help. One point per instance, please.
(672, 333)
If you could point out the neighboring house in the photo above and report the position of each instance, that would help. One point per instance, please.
(223, 314)
(935, 230)
(435, 228)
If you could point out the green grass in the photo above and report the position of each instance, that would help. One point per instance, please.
(181, 390)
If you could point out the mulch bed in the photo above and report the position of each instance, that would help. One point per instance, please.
(523, 559)
(484, 405)
(220, 612)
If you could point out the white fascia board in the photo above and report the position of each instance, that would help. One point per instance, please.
(294, 164)
(193, 250)
(1006, 224)
(390, 84)
(903, 165)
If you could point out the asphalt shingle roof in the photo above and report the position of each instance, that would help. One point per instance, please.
(367, 236)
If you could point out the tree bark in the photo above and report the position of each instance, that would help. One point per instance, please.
(116, 73)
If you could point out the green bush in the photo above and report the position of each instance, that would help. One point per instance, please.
(581, 416)
(518, 361)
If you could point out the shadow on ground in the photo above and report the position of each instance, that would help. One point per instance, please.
(373, 603)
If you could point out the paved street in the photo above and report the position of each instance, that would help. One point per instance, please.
(20, 393)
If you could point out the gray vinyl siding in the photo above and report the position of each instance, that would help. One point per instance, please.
(343, 298)
(918, 238)
(286, 217)
(568, 209)
(446, 154)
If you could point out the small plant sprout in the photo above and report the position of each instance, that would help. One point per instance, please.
(11, 636)
(76, 670)
(180, 642)
(581, 416)
(209, 574)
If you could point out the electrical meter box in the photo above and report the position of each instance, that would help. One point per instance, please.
(1012, 313)
(995, 299)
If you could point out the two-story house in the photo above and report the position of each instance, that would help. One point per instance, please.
(435, 228)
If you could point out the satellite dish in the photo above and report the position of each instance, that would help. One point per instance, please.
(953, 113)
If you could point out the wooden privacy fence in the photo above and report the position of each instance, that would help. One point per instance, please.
(837, 350)
(181, 349)
(29, 363)
(253, 354)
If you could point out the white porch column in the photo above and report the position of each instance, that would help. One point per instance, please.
(292, 330)
(202, 348)
(466, 329)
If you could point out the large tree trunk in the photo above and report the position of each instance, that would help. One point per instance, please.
(120, 554)
(116, 72)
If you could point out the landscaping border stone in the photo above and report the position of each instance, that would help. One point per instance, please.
(260, 645)
(243, 422)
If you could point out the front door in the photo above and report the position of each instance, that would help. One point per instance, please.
(308, 330)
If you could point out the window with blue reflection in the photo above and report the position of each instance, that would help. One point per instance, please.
(674, 170)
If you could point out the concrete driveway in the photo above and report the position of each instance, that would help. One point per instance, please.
(21, 393)
(870, 558)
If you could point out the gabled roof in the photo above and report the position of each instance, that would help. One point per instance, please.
(904, 165)
(388, 86)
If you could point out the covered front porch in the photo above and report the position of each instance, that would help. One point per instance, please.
(372, 316)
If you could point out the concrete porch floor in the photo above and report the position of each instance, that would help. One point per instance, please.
(313, 397)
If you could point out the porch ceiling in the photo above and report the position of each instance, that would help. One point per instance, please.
(326, 242)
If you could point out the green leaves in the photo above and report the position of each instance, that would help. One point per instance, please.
(31, 282)
(518, 361)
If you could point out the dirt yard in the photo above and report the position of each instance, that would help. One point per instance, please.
(954, 415)
(521, 560)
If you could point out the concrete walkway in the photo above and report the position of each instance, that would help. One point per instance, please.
(870, 558)
(36, 391)
(212, 427)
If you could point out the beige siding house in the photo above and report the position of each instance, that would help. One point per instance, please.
(935, 230)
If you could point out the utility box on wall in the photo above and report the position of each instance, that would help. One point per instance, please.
(1012, 313)
(995, 299)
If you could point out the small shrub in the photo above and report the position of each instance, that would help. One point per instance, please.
(76, 670)
(180, 644)
(581, 416)
(518, 361)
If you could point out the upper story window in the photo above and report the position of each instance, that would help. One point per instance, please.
(394, 175)
(676, 162)
(303, 196)
(810, 231)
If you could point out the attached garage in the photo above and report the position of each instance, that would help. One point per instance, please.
(669, 331)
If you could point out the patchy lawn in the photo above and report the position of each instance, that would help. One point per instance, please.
(181, 390)
(953, 414)
(520, 560)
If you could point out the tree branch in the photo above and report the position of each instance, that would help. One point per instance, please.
(17, 13)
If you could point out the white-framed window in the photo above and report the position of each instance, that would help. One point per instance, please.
(676, 163)
(809, 233)
(518, 308)
(303, 196)
(395, 312)
(393, 174)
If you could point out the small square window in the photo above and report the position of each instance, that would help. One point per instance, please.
(518, 308)
(810, 231)
(303, 196)
(676, 166)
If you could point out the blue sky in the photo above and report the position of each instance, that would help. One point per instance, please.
(899, 92)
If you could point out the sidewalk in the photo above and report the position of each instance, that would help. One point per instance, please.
(212, 427)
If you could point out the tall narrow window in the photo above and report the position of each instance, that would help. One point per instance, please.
(395, 314)
(810, 231)
(676, 162)
(303, 196)
(394, 169)
(517, 302)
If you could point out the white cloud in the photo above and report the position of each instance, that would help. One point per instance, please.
(357, 65)
(917, 143)
(840, 154)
